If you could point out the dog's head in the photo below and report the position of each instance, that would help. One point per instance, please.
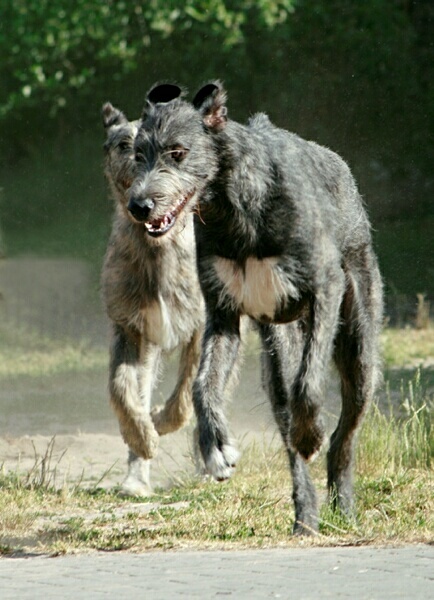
(119, 164)
(174, 159)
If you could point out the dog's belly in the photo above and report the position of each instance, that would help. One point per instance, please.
(260, 289)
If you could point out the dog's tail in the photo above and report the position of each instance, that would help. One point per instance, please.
(135, 423)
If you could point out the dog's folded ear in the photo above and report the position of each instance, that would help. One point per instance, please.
(210, 101)
(112, 116)
(163, 92)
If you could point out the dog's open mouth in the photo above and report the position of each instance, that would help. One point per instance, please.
(161, 226)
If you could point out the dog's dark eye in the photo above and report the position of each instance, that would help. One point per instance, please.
(140, 158)
(178, 154)
(124, 146)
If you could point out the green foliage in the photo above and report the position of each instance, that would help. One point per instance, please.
(54, 49)
(355, 76)
(404, 248)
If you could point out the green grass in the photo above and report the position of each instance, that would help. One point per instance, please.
(407, 347)
(391, 443)
(394, 491)
(394, 501)
(26, 353)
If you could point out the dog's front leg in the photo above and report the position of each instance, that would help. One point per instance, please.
(219, 352)
(178, 408)
(133, 366)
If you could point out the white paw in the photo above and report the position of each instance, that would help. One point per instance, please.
(135, 488)
(221, 463)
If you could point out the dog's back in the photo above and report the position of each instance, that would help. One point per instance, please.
(277, 194)
(315, 180)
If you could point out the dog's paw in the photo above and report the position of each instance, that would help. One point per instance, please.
(170, 417)
(143, 440)
(221, 463)
(159, 418)
(132, 487)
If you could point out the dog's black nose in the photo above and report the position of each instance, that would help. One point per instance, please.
(140, 207)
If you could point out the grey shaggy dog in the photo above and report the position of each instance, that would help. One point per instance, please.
(152, 296)
(284, 238)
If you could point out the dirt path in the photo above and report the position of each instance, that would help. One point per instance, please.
(58, 299)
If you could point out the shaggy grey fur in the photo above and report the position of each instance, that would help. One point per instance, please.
(151, 292)
(282, 237)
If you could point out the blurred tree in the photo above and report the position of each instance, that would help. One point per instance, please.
(58, 55)
(357, 76)
(57, 52)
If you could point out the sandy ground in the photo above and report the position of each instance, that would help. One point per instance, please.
(64, 421)
(90, 450)
(58, 298)
(69, 420)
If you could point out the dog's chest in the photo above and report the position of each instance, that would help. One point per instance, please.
(167, 322)
(258, 289)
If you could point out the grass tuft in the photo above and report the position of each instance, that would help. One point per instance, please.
(394, 495)
(389, 443)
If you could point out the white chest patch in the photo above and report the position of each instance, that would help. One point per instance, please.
(159, 325)
(258, 289)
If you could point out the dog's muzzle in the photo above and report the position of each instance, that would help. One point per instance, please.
(140, 210)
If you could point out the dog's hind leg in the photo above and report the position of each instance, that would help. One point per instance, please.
(357, 358)
(133, 368)
(321, 325)
(220, 347)
(179, 407)
(281, 358)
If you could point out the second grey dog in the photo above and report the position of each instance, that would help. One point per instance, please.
(151, 292)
